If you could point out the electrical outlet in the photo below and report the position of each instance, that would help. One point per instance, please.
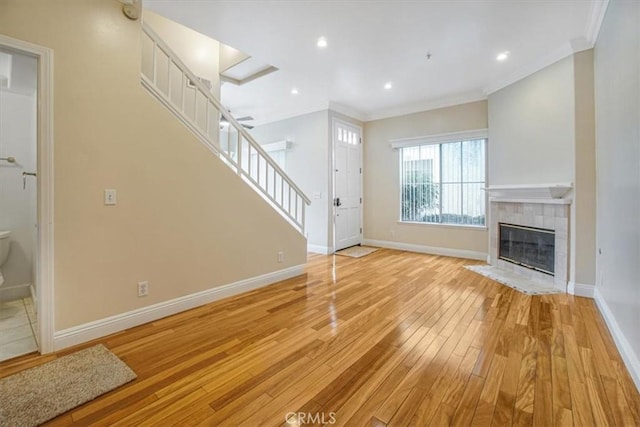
(280, 256)
(143, 289)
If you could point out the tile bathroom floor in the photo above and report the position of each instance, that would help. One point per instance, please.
(18, 324)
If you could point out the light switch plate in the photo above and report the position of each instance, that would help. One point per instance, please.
(110, 197)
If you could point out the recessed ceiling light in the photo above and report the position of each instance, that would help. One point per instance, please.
(502, 56)
(322, 42)
(388, 85)
(294, 91)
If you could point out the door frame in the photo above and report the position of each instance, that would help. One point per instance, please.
(44, 254)
(334, 122)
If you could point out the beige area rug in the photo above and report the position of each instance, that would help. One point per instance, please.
(357, 251)
(36, 395)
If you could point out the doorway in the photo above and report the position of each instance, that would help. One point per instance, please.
(26, 209)
(347, 185)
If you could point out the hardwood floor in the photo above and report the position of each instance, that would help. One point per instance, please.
(393, 338)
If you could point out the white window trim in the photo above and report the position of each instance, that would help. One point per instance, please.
(441, 138)
(443, 225)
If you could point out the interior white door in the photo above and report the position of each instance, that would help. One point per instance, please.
(347, 185)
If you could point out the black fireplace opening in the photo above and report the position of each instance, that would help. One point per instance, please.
(529, 247)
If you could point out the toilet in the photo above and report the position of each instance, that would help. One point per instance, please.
(4, 251)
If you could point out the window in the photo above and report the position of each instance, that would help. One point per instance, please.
(442, 183)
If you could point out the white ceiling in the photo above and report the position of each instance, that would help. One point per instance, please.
(373, 42)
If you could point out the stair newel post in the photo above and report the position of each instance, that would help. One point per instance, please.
(304, 207)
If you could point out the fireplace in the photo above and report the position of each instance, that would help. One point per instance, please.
(545, 216)
(529, 247)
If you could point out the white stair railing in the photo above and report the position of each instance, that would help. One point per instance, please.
(180, 90)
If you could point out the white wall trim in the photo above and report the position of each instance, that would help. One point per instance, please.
(318, 249)
(531, 68)
(580, 289)
(592, 29)
(100, 328)
(426, 105)
(631, 360)
(432, 250)
(596, 16)
(347, 111)
(44, 250)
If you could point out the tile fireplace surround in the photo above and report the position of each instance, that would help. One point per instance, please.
(551, 216)
(540, 206)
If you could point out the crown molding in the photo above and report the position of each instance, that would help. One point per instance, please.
(596, 16)
(347, 111)
(562, 52)
(426, 105)
(588, 41)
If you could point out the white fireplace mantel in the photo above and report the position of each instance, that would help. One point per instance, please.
(554, 193)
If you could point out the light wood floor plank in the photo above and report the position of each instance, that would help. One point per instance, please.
(391, 338)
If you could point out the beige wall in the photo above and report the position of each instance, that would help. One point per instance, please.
(617, 94)
(531, 128)
(583, 213)
(381, 177)
(184, 221)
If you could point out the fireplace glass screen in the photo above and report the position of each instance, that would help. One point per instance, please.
(529, 247)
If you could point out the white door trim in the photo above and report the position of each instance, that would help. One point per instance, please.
(44, 249)
(332, 169)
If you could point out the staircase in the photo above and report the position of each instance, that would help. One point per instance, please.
(189, 99)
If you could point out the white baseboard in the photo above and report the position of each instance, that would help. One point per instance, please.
(629, 357)
(580, 289)
(409, 247)
(318, 249)
(99, 328)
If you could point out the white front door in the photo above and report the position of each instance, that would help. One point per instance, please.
(347, 185)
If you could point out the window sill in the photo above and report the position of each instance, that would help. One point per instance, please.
(456, 226)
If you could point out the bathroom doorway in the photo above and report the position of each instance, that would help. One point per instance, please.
(26, 256)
